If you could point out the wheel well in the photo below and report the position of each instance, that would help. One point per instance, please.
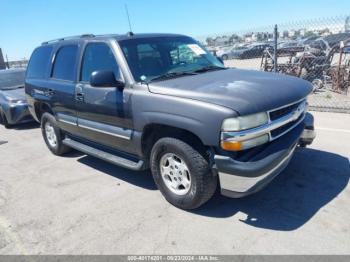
(41, 108)
(153, 132)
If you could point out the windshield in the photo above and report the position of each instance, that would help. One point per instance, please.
(151, 58)
(11, 79)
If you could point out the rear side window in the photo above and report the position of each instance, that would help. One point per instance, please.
(39, 62)
(64, 66)
(98, 56)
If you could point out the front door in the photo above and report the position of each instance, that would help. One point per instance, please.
(103, 112)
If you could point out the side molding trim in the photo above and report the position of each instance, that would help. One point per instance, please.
(96, 126)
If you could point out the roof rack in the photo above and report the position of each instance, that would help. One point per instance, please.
(68, 38)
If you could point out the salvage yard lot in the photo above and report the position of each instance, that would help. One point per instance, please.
(81, 205)
(322, 100)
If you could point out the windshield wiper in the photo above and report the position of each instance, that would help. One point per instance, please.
(171, 75)
(209, 68)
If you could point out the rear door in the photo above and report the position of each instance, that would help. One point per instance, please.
(37, 74)
(104, 114)
(62, 86)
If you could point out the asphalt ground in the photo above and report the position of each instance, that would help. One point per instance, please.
(78, 204)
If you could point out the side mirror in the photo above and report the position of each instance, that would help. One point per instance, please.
(105, 78)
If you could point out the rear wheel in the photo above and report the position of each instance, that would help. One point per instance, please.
(53, 136)
(182, 174)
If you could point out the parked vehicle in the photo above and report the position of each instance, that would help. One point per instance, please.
(328, 42)
(226, 53)
(307, 40)
(287, 48)
(340, 72)
(336, 76)
(163, 102)
(249, 51)
(13, 105)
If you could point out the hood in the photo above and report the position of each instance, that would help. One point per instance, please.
(244, 91)
(14, 94)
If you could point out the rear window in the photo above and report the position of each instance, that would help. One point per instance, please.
(39, 62)
(64, 66)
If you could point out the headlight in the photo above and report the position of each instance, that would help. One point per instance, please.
(17, 101)
(244, 122)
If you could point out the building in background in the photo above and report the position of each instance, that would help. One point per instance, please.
(2, 61)
(347, 24)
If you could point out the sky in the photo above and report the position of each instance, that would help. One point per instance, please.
(24, 24)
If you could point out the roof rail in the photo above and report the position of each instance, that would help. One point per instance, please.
(68, 38)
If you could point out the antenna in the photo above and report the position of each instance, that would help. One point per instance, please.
(127, 14)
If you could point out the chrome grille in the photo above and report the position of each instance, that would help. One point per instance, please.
(283, 120)
(283, 129)
(278, 113)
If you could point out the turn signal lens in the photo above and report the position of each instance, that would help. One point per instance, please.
(241, 145)
(231, 145)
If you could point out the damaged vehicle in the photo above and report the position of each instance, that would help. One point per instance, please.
(163, 102)
(340, 72)
(13, 105)
(309, 64)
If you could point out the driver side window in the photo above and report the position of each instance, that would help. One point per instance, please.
(98, 56)
(182, 54)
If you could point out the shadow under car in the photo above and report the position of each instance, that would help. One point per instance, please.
(311, 180)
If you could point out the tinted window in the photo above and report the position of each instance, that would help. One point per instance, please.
(65, 63)
(39, 62)
(98, 56)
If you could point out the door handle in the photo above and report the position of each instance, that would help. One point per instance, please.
(79, 96)
(50, 92)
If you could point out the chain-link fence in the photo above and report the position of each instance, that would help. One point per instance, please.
(317, 51)
(11, 64)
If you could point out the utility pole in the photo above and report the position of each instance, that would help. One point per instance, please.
(275, 49)
(7, 62)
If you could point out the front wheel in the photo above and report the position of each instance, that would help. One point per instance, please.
(3, 120)
(181, 173)
(224, 57)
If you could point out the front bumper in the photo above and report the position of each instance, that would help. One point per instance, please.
(17, 113)
(241, 178)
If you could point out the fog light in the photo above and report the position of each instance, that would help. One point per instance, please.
(242, 145)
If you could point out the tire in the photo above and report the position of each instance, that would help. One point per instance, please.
(203, 181)
(224, 57)
(3, 120)
(48, 121)
(302, 144)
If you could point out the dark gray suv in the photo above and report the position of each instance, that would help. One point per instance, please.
(162, 101)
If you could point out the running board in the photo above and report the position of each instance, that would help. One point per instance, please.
(113, 159)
